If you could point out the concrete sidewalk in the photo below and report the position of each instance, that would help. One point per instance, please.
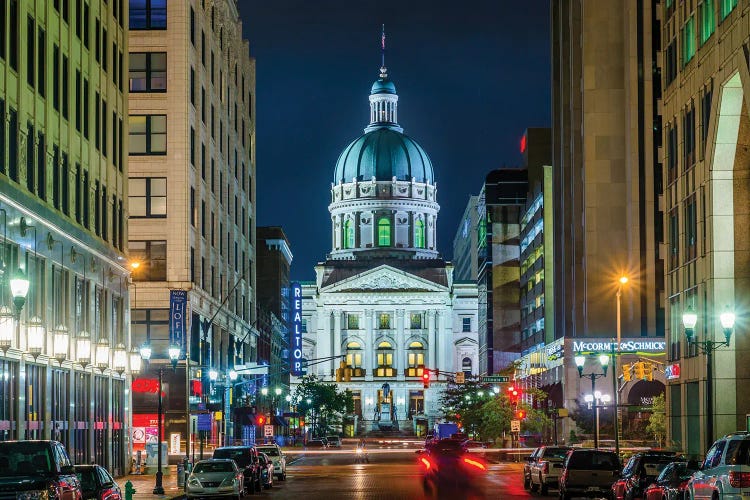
(144, 485)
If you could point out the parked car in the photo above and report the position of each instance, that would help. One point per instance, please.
(589, 473)
(725, 473)
(277, 457)
(38, 469)
(315, 443)
(215, 477)
(246, 458)
(97, 483)
(333, 441)
(448, 465)
(639, 472)
(266, 470)
(672, 482)
(546, 468)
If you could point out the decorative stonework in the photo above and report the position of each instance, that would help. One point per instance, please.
(385, 282)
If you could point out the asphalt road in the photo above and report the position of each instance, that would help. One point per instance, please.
(390, 474)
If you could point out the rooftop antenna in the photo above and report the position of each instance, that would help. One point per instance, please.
(383, 70)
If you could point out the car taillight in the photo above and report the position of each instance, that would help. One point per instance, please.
(426, 463)
(739, 479)
(474, 463)
(545, 468)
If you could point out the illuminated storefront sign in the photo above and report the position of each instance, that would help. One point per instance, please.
(295, 335)
(627, 345)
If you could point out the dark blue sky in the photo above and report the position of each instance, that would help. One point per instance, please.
(471, 77)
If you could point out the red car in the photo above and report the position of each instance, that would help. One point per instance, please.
(672, 482)
(640, 471)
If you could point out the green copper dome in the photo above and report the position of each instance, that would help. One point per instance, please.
(383, 86)
(384, 153)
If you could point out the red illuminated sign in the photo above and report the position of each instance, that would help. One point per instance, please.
(523, 143)
(149, 385)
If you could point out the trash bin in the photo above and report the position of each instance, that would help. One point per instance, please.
(180, 475)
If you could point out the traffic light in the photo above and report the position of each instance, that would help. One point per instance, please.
(648, 371)
(260, 419)
(626, 376)
(426, 378)
(521, 414)
(638, 370)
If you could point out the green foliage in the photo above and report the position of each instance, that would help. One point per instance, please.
(322, 402)
(657, 423)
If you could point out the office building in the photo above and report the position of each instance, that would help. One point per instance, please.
(465, 245)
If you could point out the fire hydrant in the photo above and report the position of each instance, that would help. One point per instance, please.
(129, 491)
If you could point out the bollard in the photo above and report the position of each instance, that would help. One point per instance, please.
(129, 491)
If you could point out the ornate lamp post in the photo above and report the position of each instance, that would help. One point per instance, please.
(60, 336)
(19, 288)
(707, 347)
(580, 362)
(174, 354)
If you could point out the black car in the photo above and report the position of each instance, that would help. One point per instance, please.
(246, 458)
(315, 443)
(37, 469)
(640, 471)
(589, 473)
(96, 483)
(449, 466)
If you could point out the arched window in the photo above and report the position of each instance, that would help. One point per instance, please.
(416, 345)
(354, 358)
(415, 359)
(466, 366)
(385, 360)
(384, 232)
(348, 234)
(419, 234)
(385, 345)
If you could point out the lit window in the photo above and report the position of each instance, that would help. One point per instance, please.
(416, 321)
(147, 197)
(348, 234)
(152, 256)
(352, 321)
(727, 6)
(148, 134)
(384, 321)
(419, 234)
(384, 232)
(688, 40)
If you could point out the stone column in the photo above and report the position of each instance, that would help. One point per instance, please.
(400, 347)
(431, 339)
(369, 361)
(336, 338)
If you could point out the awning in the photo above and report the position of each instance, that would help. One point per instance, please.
(277, 420)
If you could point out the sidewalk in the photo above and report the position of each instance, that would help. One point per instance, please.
(144, 485)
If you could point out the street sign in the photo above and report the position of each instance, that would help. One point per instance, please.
(460, 378)
(490, 379)
(515, 426)
(268, 430)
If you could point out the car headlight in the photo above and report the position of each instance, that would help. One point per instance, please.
(32, 495)
(228, 481)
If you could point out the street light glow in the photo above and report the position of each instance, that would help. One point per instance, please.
(623, 280)
(727, 319)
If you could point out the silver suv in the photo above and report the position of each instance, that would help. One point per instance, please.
(725, 472)
(276, 456)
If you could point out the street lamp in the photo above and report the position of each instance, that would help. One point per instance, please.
(580, 362)
(594, 401)
(119, 359)
(707, 347)
(6, 329)
(174, 354)
(19, 287)
(83, 349)
(35, 337)
(101, 355)
(60, 343)
(135, 360)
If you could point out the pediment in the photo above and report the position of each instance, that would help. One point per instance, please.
(463, 341)
(384, 279)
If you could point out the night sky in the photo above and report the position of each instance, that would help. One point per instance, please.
(471, 77)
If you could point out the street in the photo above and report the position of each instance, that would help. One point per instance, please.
(391, 473)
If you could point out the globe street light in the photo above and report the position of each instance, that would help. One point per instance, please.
(707, 347)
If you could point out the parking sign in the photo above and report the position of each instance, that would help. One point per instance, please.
(268, 430)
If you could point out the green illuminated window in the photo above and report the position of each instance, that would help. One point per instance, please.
(419, 234)
(707, 20)
(348, 234)
(384, 232)
(688, 41)
(727, 6)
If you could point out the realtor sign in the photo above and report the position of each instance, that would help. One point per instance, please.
(295, 332)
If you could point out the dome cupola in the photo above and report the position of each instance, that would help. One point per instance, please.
(383, 197)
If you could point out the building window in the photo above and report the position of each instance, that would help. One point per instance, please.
(354, 359)
(415, 360)
(148, 72)
(151, 326)
(419, 240)
(691, 229)
(416, 321)
(688, 40)
(707, 20)
(148, 196)
(674, 242)
(385, 360)
(727, 6)
(688, 137)
(152, 256)
(671, 62)
(466, 366)
(384, 321)
(465, 324)
(384, 232)
(671, 153)
(148, 14)
(348, 234)
(148, 134)
(352, 321)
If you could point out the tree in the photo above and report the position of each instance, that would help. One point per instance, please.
(657, 423)
(323, 403)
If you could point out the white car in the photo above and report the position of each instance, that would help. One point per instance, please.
(725, 472)
(277, 457)
(547, 467)
(215, 478)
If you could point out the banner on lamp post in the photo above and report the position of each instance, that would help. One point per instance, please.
(177, 319)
